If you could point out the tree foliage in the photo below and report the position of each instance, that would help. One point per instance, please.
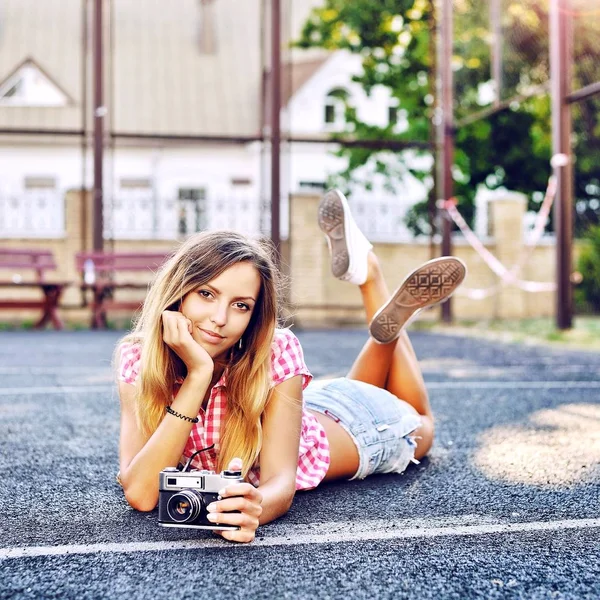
(510, 148)
(588, 293)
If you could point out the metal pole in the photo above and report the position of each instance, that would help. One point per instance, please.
(263, 120)
(496, 27)
(432, 75)
(275, 123)
(99, 112)
(84, 110)
(112, 141)
(446, 134)
(560, 73)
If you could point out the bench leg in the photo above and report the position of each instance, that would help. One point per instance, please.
(98, 313)
(52, 295)
(99, 320)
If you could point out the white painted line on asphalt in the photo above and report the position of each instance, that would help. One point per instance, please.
(292, 537)
(441, 385)
(432, 385)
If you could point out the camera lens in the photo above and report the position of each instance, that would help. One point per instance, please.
(184, 506)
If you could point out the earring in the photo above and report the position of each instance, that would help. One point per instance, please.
(240, 344)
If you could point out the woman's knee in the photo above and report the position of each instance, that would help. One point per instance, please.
(424, 436)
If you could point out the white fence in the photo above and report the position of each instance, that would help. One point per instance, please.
(381, 220)
(36, 213)
(140, 214)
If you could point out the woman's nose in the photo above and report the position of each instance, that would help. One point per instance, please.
(219, 316)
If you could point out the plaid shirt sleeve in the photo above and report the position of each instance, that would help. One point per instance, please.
(129, 367)
(287, 359)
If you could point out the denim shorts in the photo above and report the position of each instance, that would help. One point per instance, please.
(378, 422)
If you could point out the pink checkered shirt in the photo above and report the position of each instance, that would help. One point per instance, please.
(287, 360)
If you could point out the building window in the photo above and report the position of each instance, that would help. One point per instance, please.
(330, 113)
(336, 104)
(37, 183)
(241, 181)
(312, 185)
(192, 210)
(392, 115)
(135, 183)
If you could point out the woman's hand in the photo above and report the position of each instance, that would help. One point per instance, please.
(242, 497)
(177, 334)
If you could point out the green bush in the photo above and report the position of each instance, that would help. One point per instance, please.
(587, 293)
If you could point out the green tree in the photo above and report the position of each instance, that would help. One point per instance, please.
(588, 292)
(510, 148)
(392, 38)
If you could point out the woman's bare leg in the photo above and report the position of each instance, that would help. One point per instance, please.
(392, 366)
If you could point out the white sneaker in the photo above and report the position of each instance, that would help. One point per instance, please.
(348, 246)
(433, 282)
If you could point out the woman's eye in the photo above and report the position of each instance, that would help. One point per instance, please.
(242, 306)
(205, 293)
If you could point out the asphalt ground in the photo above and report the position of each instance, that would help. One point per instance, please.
(506, 505)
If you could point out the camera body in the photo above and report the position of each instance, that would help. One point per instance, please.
(184, 495)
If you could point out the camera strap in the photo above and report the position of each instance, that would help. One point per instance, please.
(191, 458)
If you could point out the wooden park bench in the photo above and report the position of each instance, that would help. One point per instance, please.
(28, 269)
(103, 273)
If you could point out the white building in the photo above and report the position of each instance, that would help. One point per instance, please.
(184, 87)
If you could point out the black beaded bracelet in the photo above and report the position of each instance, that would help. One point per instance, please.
(176, 414)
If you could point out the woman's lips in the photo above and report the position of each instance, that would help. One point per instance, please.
(210, 337)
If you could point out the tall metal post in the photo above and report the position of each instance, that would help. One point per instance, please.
(275, 122)
(433, 131)
(99, 113)
(84, 125)
(496, 28)
(446, 133)
(560, 74)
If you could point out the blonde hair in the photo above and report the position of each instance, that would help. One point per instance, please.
(201, 258)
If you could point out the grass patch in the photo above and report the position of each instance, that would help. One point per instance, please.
(585, 334)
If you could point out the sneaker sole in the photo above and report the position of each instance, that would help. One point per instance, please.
(332, 223)
(433, 282)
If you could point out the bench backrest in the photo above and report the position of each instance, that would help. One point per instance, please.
(108, 263)
(37, 260)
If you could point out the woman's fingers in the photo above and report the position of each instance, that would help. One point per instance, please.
(169, 319)
(235, 464)
(244, 489)
(243, 536)
(184, 327)
(240, 506)
(177, 334)
(239, 503)
(176, 327)
(243, 520)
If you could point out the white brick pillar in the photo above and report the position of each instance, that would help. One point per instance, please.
(506, 211)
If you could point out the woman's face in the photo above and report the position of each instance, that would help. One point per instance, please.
(220, 310)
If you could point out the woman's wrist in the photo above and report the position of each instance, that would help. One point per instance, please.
(201, 376)
(191, 393)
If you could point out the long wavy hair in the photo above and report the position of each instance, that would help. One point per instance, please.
(201, 258)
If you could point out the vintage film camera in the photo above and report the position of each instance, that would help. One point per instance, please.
(184, 496)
